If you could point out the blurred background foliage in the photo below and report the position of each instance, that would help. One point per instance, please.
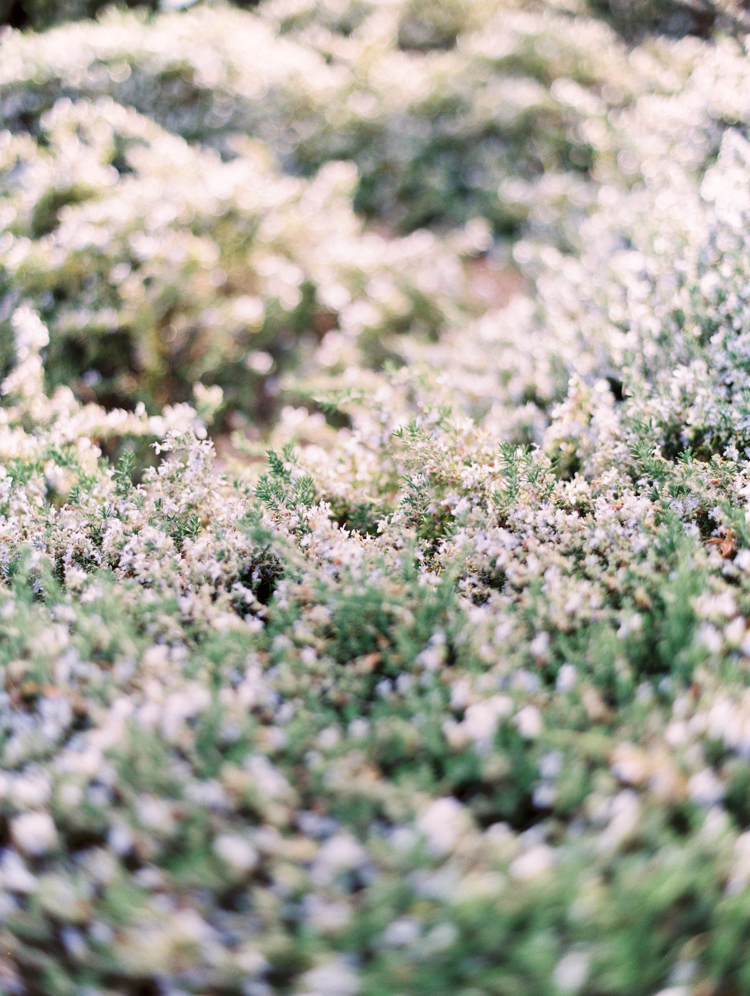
(423, 24)
(233, 196)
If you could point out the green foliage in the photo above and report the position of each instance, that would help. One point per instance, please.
(285, 494)
(124, 474)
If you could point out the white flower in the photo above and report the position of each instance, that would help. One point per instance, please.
(705, 788)
(567, 677)
(400, 933)
(571, 971)
(334, 978)
(443, 823)
(482, 718)
(529, 722)
(539, 646)
(536, 861)
(34, 833)
(14, 875)
(237, 851)
(340, 853)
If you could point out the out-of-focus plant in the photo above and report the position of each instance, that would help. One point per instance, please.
(156, 265)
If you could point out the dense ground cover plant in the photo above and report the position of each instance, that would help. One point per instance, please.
(242, 273)
(236, 262)
(435, 677)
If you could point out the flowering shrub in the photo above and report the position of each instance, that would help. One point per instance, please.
(434, 134)
(373, 607)
(155, 264)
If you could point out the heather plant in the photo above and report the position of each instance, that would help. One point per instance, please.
(436, 150)
(240, 283)
(373, 607)
(221, 703)
(156, 265)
